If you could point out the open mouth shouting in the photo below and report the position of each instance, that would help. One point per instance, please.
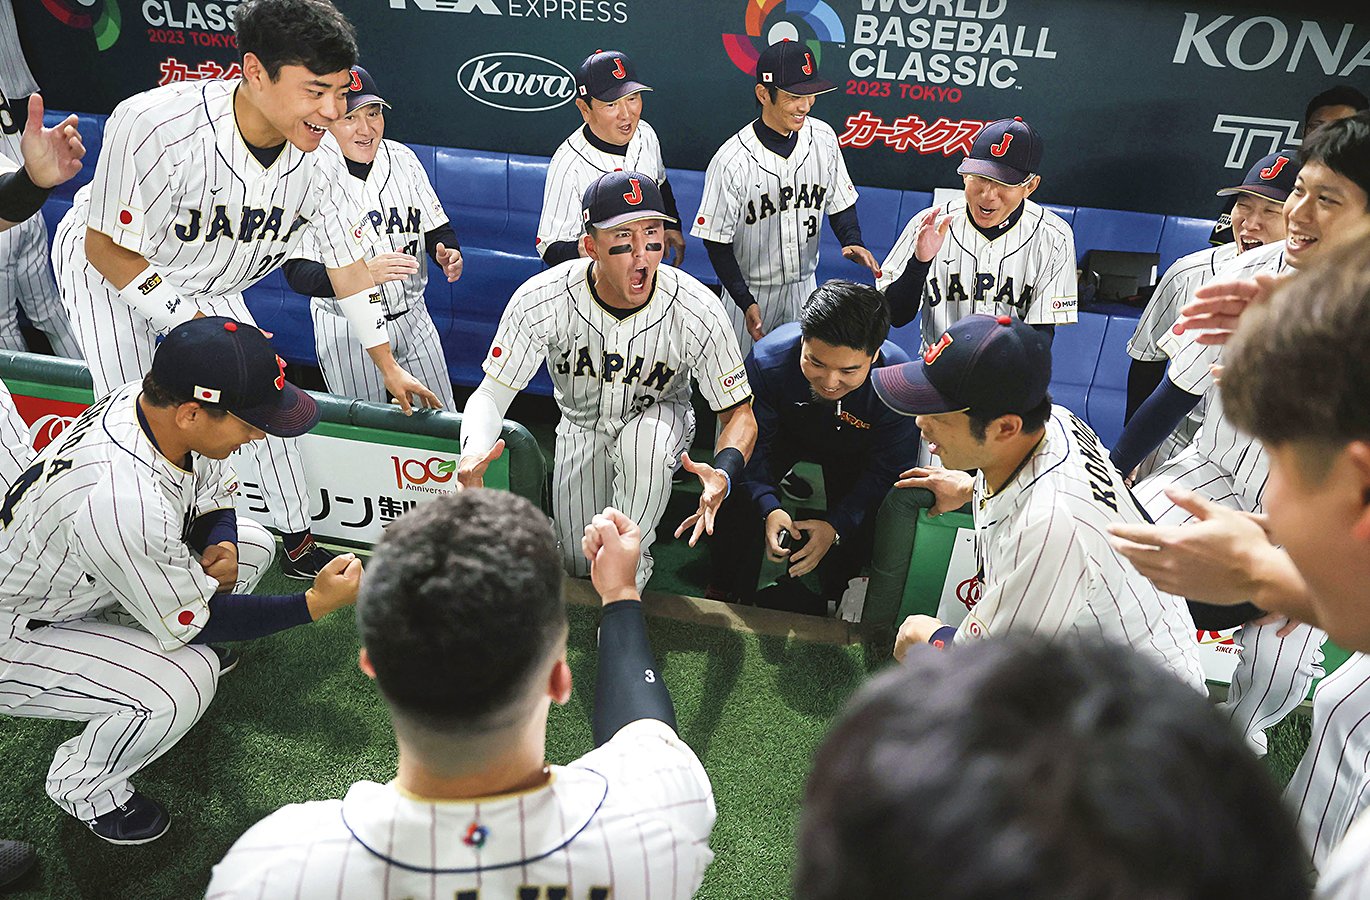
(638, 279)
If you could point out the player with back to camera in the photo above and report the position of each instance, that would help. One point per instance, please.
(1096, 774)
(202, 190)
(463, 628)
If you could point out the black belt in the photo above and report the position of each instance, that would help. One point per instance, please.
(390, 317)
(34, 623)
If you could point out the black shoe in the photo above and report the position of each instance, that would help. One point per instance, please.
(16, 858)
(790, 595)
(140, 820)
(228, 658)
(306, 560)
(795, 487)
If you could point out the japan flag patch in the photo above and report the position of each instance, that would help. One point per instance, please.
(130, 219)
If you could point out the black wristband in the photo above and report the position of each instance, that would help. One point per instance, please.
(732, 462)
(19, 196)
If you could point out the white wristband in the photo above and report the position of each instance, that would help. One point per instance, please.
(151, 295)
(366, 315)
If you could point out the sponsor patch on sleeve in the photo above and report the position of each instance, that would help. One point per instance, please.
(734, 379)
(359, 228)
(1064, 304)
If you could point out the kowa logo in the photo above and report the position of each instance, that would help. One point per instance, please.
(518, 82)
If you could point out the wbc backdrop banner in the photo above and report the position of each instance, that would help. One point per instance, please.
(1142, 106)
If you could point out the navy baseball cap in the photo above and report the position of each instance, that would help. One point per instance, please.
(989, 365)
(362, 90)
(617, 198)
(607, 75)
(229, 365)
(1008, 151)
(1272, 177)
(791, 67)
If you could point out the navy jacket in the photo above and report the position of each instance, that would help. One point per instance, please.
(858, 431)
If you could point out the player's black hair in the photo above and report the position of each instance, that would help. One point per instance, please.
(459, 607)
(1344, 147)
(159, 395)
(1023, 769)
(1034, 420)
(846, 314)
(309, 33)
(1339, 95)
(771, 91)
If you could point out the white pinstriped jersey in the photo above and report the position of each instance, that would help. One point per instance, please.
(16, 80)
(606, 370)
(1218, 440)
(1046, 565)
(575, 166)
(630, 819)
(1346, 874)
(15, 447)
(99, 518)
(769, 207)
(177, 184)
(398, 207)
(1175, 289)
(1028, 271)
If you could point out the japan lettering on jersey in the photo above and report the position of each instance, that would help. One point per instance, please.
(1191, 369)
(606, 370)
(575, 166)
(177, 184)
(398, 207)
(1046, 564)
(1175, 289)
(100, 518)
(770, 208)
(630, 819)
(1027, 271)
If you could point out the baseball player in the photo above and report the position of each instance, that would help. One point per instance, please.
(203, 188)
(403, 217)
(1043, 495)
(1328, 206)
(24, 275)
(765, 193)
(1096, 774)
(994, 252)
(132, 507)
(1257, 219)
(463, 628)
(50, 156)
(1307, 558)
(622, 336)
(613, 138)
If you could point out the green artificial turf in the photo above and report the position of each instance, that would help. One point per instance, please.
(298, 721)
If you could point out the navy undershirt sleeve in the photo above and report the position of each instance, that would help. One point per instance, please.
(729, 273)
(672, 210)
(628, 685)
(305, 276)
(847, 227)
(1143, 377)
(1154, 421)
(241, 617)
(444, 235)
(559, 252)
(905, 295)
(213, 527)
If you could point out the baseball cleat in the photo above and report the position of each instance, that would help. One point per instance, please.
(306, 561)
(16, 858)
(139, 820)
(228, 658)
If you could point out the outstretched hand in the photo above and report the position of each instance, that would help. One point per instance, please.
(715, 488)
(931, 234)
(471, 469)
(51, 155)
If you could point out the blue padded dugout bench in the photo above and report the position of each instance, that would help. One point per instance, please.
(494, 200)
